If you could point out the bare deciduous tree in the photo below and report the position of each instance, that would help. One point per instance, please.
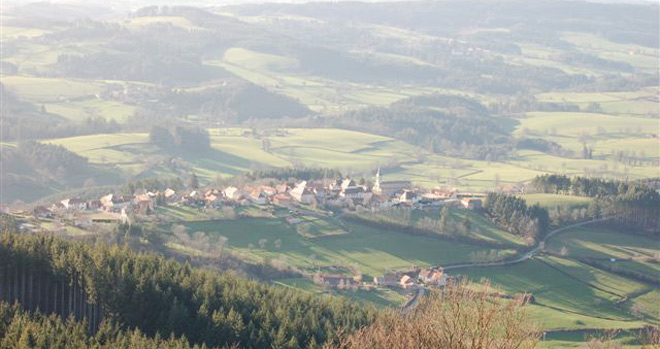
(459, 317)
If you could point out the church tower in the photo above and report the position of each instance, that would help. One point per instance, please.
(377, 189)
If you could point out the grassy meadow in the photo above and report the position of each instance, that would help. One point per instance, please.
(567, 294)
(370, 250)
(234, 151)
(556, 200)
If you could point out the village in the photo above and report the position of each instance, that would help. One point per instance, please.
(298, 197)
(335, 194)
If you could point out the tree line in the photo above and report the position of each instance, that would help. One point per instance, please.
(24, 329)
(633, 205)
(462, 127)
(513, 213)
(161, 297)
(180, 138)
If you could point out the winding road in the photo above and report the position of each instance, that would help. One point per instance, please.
(415, 299)
(527, 255)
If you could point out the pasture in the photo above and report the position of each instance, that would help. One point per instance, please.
(604, 134)
(556, 200)
(482, 228)
(81, 110)
(573, 124)
(643, 102)
(235, 151)
(631, 253)
(567, 295)
(45, 90)
(640, 57)
(380, 297)
(372, 251)
(603, 244)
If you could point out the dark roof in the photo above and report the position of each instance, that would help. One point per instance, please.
(353, 190)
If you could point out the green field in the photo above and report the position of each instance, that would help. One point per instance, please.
(604, 244)
(356, 153)
(567, 294)
(80, 110)
(556, 200)
(380, 297)
(630, 253)
(482, 228)
(604, 134)
(641, 57)
(44, 90)
(643, 102)
(572, 124)
(373, 251)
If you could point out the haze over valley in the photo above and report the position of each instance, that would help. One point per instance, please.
(330, 174)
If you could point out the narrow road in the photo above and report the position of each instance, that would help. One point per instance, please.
(527, 255)
(413, 301)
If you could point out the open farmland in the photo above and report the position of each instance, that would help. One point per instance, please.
(640, 57)
(234, 151)
(80, 110)
(381, 297)
(372, 251)
(602, 243)
(44, 90)
(567, 295)
(556, 200)
(643, 102)
(618, 252)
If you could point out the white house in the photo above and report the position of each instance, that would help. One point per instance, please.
(302, 193)
(74, 204)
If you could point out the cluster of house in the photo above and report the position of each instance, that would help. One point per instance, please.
(407, 280)
(337, 193)
(432, 277)
(120, 204)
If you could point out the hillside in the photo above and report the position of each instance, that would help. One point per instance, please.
(205, 307)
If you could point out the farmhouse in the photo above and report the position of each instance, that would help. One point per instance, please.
(194, 198)
(42, 212)
(386, 280)
(443, 193)
(408, 197)
(268, 190)
(433, 276)
(232, 193)
(337, 281)
(95, 205)
(282, 188)
(258, 197)
(74, 204)
(114, 203)
(319, 190)
(334, 188)
(282, 199)
(406, 282)
(144, 204)
(212, 200)
(302, 193)
(169, 194)
(347, 183)
(431, 199)
(355, 193)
